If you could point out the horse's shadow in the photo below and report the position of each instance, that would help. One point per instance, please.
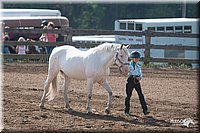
(133, 119)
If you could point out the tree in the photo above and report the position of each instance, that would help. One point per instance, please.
(103, 16)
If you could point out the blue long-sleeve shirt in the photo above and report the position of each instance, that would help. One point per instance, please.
(135, 69)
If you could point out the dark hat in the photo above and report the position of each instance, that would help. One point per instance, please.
(135, 54)
(44, 23)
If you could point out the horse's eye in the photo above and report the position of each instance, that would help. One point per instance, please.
(121, 55)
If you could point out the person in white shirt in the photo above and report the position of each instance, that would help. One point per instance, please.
(133, 81)
(21, 49)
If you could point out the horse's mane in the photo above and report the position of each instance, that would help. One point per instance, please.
(108, 47)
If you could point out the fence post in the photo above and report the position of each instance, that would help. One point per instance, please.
(68, 35)
(147, 47)
(68, 38)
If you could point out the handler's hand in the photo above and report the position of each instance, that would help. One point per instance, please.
(126, 73)
(138, 78)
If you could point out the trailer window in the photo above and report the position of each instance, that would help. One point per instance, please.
(122, 26)
(187, 29)
(138, 26)
(178, 29)
(160, 29)
(130, 26)
(174, 53)
(151, 28)
(25, 27)
(169, 29)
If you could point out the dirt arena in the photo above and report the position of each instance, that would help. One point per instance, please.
(171, 95)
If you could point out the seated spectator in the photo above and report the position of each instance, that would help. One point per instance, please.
(6, 35)
(44, 23)
(6, 27)
(21, 49)
(44, 26)
(32, 49)
(6, 47)
(43, 37)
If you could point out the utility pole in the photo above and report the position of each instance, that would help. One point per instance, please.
(184, 9)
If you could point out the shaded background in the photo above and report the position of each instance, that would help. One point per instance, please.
(102, 16)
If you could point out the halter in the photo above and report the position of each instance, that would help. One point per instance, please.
(122, 63)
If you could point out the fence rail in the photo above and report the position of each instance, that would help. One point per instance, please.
(90, 45)
(69, 32)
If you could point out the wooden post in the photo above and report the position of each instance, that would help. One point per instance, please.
(69, 38)
(68, 35)
(147, 47)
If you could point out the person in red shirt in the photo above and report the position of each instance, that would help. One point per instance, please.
(49, 37)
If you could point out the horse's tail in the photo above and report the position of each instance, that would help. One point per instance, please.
(53, 91)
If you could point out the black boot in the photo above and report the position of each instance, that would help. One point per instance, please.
(146, 112)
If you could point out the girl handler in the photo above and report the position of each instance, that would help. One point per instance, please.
(133, 81)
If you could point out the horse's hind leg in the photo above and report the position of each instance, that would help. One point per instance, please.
(46, 86)
(66, 85)
(106, 85)
(51, 75)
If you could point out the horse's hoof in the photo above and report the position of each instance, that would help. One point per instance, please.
(69, 110)
(107, 111)
(89, 112)
(41, 107)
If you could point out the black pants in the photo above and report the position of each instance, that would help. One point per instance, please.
(130, 85)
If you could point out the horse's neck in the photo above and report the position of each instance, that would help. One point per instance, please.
(106, 53)
(108, 59)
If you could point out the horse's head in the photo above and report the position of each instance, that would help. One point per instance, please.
(121, 59)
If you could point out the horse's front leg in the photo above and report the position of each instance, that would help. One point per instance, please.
(89, 94)
(108, 88)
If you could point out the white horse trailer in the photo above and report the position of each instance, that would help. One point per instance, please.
(28, 12)
(173, 25)
(94, 39)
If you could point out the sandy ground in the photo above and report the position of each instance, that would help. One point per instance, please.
(171, 95)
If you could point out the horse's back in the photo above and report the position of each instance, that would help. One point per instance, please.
(64, 48)
(70, 60)
(64, 51)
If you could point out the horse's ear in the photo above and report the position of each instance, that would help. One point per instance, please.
(128, 46)
(121, 46)
(112, 47)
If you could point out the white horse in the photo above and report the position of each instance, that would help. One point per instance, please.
(91, 65)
